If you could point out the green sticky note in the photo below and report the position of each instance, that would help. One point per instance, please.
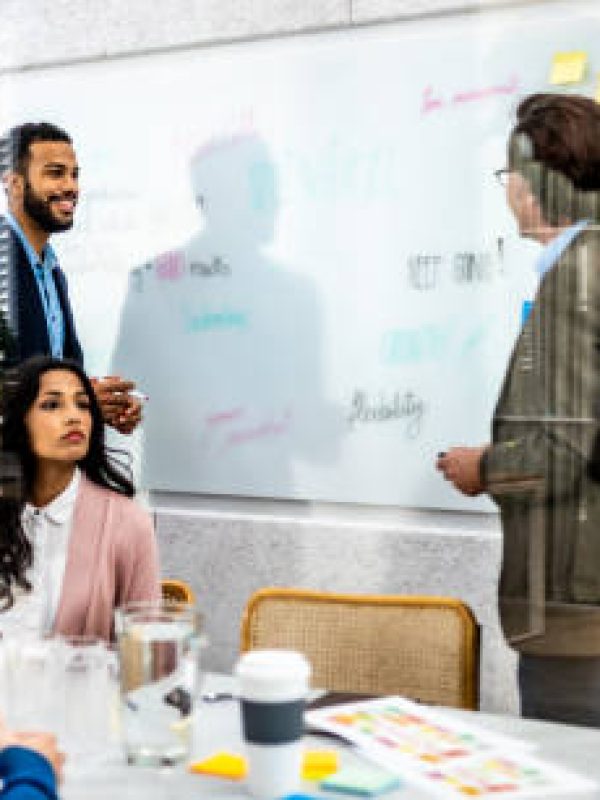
(361, 781)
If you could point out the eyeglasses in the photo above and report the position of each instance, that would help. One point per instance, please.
(501, 175)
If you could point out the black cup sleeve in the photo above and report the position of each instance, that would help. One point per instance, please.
(272, 723)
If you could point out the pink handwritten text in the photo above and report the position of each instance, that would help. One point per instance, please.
(491, 91)
(170, 266)
(224, 416)
(270, 428)
(430, 101)
(233, 427)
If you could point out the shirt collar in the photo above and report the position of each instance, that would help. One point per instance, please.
(48, 258)
(60, 509)
(554, 249)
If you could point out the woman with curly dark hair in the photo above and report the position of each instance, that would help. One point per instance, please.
(76, 545)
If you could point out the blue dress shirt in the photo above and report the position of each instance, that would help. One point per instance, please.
(554, 249)
(550, 255)
(47, 288)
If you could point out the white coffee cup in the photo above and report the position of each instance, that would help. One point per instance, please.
(273, 686)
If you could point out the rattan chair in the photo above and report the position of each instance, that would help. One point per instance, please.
(179, 591)
(425, 648)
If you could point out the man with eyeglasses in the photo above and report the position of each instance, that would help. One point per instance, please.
(541, 466)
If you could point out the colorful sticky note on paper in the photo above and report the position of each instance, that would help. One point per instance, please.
(222, 765)
(568, 67)
(318, 764)
(361, 781)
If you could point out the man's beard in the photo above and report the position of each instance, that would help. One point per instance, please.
(39, 210)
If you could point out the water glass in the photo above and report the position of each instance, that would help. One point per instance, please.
(86, 692)
(158, 647)
(31, 676)
(66, 686)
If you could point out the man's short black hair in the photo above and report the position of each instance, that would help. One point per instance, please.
(15, 144)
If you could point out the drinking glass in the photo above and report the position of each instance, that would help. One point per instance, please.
(158, 647)
(86, 694)
(31, 673)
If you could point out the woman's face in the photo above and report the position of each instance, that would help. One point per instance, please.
(59, 422)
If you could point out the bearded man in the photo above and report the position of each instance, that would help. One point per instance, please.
(41, 180)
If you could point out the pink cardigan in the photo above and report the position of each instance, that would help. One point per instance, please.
(111, 559)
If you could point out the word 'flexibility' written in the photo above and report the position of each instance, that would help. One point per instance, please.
(398, 406)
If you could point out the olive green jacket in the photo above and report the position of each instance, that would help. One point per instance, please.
(541, 467)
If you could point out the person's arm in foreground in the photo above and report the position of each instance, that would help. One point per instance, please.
(30, 766)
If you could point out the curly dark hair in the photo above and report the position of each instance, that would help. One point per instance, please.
(19, 392)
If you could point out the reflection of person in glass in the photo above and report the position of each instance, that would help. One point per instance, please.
(225, 341)
(540, 466)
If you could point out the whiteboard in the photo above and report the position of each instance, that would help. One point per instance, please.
(297, 248)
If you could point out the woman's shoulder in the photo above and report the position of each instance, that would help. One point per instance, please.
(122, 508)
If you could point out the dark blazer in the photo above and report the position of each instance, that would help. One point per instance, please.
(544, 440)
(29, 332)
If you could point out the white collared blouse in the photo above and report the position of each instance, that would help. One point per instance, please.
(49, 530)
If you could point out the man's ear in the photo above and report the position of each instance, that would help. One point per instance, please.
(529, 211)
(535, 217)
(13, 182)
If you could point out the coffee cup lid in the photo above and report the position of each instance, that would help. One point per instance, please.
(273, 675)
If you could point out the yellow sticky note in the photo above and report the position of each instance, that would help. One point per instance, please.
(568, 67)
(318, 764)
(223, 765)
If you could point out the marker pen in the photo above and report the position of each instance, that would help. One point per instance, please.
(143, 398)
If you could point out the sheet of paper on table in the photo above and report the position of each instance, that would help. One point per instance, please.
(449, 757)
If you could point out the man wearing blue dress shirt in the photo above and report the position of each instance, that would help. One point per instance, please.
(41, 181)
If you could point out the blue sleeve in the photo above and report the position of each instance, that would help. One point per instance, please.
(26, 775)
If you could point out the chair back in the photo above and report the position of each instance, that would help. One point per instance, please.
(424, 648)
(177, 591)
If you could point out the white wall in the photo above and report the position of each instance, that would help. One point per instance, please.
(40, 32)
